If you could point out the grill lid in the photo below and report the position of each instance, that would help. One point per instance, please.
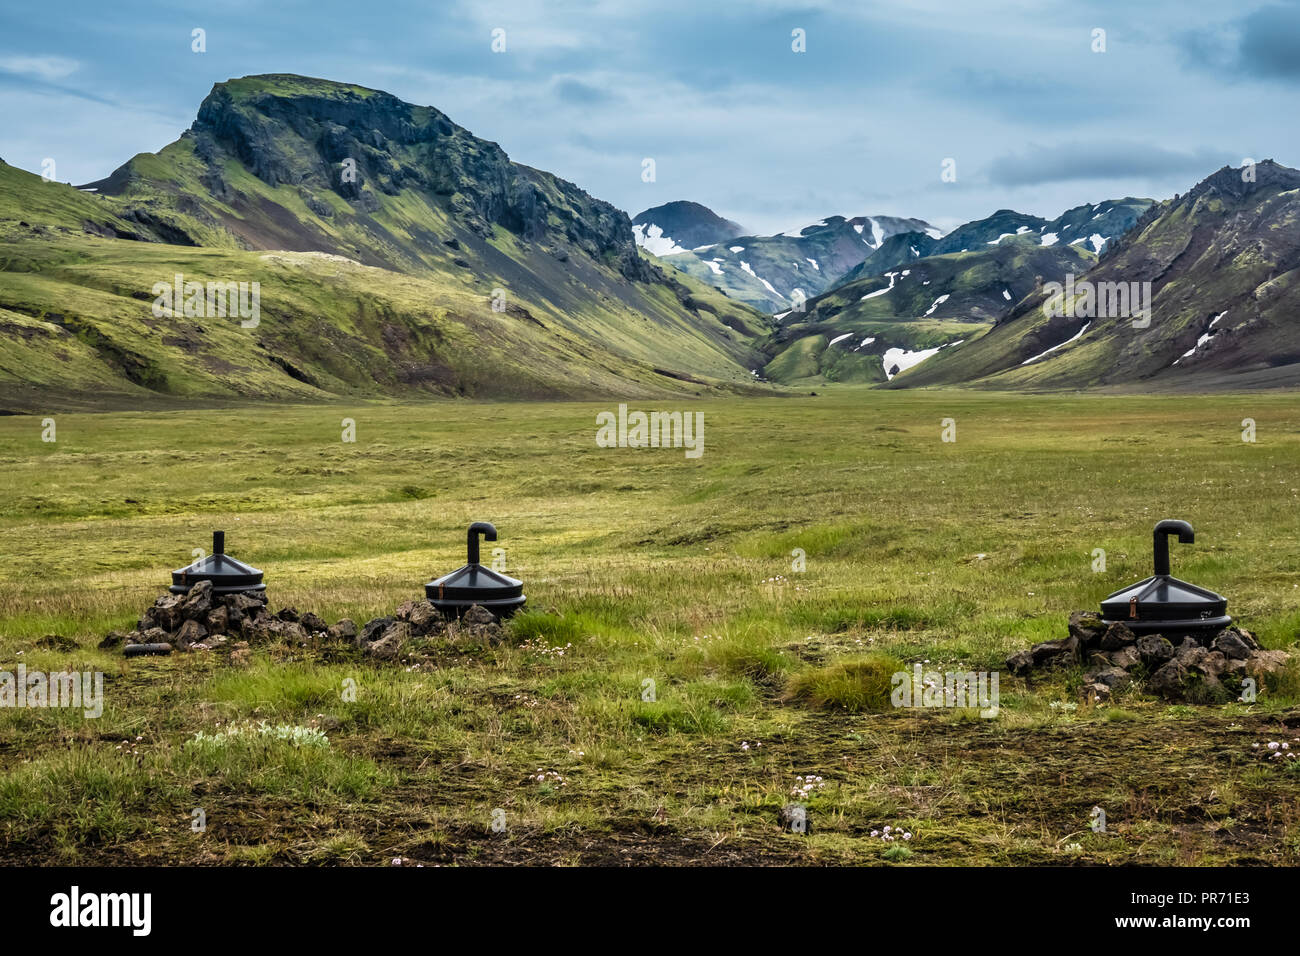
(475, 584)
(1162, 602)
(228, 575)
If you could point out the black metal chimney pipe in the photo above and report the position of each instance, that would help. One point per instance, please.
(218, 542)
(478, 528)
(1165, 528)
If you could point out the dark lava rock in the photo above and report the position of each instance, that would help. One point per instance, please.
(478, 615)
(165, 613)
(1125, 657)
(1168, 681)
(1021, 662)
(1060, 653)
(191, 632)
(373, 630)
(1088, 628)
(1154, 650)
(344, 630)
(198, 602)
(1230, 644)
(390, 643)
(1111, 677)
(423, 618)
(313, 623)
(1117, 636)
(218, 620)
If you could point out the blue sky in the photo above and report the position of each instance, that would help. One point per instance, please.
(860, 123)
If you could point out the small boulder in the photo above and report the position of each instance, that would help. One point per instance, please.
(403, 612)
(1263, 664)
(344, 630)
(154, 635)
(288, 614)
(244, 601)
(1021, 662)
(1230, 644)
(1247, 638)
(293, 632)
(314, 623)
(197, 602)
(1190, 654)
(1125, 657)
(1117, 636)
(390, 643)
(481, 615)
(373, 630)
(1212, 664)
(165, 613)
(218, 619)
(423, 618)
(1111, 677)
(1168, 682)
(1088, 628)
(191, 632)
(1154, 650)
(261, 629)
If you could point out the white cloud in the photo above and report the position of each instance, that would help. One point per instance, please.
(46, 68)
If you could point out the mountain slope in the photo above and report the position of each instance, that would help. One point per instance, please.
(866, 329)
(437, 225)
(771, 272)
(1222, 262)
(680, 226)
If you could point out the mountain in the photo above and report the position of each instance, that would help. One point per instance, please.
(679, 226)
(395, 251)
(1221, 267)
(771, 272)
(869, 329)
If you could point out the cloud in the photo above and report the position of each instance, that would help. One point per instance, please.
(1263, 45)
(1270, 43)
(575, 91)
(1073, 162)
(44, 68)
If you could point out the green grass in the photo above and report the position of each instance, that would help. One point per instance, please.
(648, 566)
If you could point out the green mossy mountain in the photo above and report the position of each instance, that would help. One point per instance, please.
(847, 333)
(381, 234)
(1223, 264)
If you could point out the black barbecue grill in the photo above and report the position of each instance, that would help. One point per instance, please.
(472, 584)
(228, 575)
(1162, 603)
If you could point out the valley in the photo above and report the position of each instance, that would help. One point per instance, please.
(645, 563)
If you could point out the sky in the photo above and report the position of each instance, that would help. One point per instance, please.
(1024, 103)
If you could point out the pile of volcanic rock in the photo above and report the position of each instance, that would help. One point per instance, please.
(1190, 668)
(200, 620)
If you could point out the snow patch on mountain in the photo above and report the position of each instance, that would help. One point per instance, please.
(651, 238)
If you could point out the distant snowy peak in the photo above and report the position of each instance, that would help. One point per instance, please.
(680, 226)
(871, 231)
(775, 271)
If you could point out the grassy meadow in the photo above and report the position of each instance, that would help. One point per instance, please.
(643, 564)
